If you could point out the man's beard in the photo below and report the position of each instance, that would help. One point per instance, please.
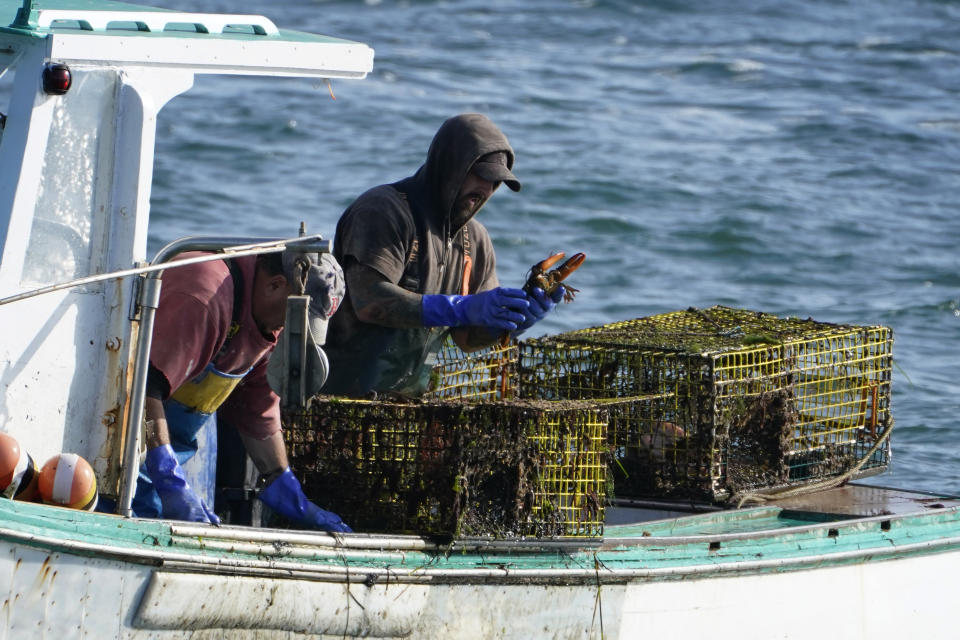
(463, 210)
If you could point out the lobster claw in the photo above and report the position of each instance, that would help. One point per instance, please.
(550, 280)
(543, 265)
(569, 266)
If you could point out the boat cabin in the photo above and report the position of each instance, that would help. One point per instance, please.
(82, 85)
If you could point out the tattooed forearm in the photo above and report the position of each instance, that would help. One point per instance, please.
(378, 301)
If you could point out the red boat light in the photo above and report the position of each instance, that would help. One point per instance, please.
(56, 79)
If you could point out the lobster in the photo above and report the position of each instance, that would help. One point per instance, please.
(550, 280)
(540, 276)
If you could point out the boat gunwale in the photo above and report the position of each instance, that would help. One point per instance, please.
(360, 541)
(282, 538)
(600, 573)
(353, 557)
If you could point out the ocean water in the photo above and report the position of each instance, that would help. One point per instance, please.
(799, 158)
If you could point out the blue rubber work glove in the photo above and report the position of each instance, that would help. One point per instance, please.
(540, 306)
(285, 496)
(497, 309)
(178, 500)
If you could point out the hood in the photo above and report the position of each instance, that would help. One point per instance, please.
(459, 142)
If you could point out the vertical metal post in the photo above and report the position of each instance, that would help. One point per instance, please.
(149, 299)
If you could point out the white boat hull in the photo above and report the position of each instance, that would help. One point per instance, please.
(82, 594)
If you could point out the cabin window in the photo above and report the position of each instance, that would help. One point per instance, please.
(65, 239)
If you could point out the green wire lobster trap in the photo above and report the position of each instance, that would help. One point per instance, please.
(709, 404)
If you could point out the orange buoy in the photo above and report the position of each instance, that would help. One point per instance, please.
(18, 471)
(67, 480)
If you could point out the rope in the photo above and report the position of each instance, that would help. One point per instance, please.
(301, 271)
(270, 246)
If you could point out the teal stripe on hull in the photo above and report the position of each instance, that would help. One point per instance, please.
(633, 552)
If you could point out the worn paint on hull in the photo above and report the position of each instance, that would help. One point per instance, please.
(740, 574)
(64, 596)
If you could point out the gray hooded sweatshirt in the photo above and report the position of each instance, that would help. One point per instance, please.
(405, 231)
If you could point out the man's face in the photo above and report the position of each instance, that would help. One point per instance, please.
(474, 192)
(269, 302)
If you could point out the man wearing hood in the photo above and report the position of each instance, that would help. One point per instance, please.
(418, 264)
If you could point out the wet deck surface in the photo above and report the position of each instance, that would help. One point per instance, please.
(864, 500)
(853, 500)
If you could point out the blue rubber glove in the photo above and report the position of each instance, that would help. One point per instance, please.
(499, 309)
(540, 306)
(177, 499)
(285, 496)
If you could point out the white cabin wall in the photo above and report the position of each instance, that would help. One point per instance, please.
(21, 162)
(80, 208)
(38, 366)
(48, 377)
(66, 241)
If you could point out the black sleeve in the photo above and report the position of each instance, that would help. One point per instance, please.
(157, 385)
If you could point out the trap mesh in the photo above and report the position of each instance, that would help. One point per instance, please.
(488, 374)
(502, 469)
(708, 403)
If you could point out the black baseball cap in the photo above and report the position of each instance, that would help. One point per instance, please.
(493, 167)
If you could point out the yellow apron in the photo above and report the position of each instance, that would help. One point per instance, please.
(191, 414)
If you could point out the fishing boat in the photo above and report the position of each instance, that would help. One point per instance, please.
(847, 560)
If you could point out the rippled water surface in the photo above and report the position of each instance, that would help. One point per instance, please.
(801, 158)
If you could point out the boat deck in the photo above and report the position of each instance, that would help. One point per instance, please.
(858, 500)
(850, 501)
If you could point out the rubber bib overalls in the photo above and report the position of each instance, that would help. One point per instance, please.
(393, 360)
(191, 413)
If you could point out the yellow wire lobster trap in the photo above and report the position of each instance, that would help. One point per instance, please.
(503, 469)
(708, 403)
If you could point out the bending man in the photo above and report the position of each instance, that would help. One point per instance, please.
(217, 323)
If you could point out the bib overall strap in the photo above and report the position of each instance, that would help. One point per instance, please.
(467, 263)
(236, 274)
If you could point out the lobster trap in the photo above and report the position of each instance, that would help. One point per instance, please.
(708, 404)
(500, 469)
